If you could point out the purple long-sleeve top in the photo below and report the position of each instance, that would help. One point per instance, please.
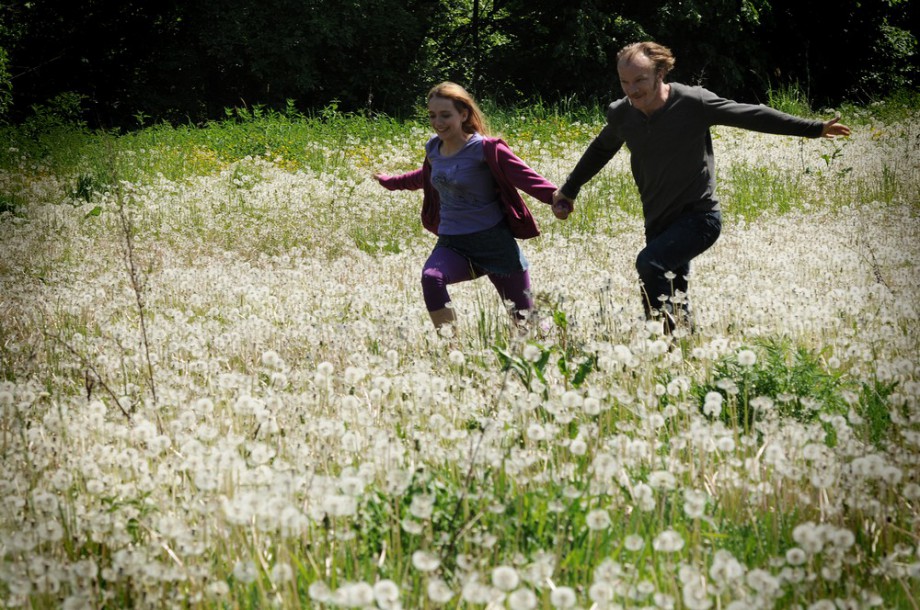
(510, 173)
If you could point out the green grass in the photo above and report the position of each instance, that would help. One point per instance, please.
(485, 511)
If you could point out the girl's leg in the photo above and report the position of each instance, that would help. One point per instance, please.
(443, 267)
(515, 288)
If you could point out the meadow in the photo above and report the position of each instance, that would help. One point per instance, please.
(219, 386)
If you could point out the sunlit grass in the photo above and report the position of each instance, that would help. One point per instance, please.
(307, 440)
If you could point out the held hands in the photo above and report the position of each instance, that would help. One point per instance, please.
(562, 205)
(834, 128)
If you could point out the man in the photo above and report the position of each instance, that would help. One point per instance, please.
(666, 127)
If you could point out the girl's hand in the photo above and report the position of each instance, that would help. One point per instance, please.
(562, 206)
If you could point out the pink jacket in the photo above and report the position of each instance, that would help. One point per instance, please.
(511, 174)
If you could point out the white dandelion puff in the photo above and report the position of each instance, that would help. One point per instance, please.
(747, 357)
(634, 542)
(423, 561)
(563, 597)
(668, 541)
(505, 578)
(598, 519)
(439, 592)
(522, 599)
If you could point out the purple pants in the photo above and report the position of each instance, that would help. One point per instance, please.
(445, 267)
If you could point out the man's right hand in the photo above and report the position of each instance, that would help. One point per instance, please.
(562, 205)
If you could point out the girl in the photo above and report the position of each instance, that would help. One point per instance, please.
(471, 203)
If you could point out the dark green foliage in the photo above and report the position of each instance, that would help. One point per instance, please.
(801, 388)
(139, 62)
(875, 410)
(794, 378)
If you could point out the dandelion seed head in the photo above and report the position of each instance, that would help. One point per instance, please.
(245, 571)
(282, 573)
(796, 556)
(505, 578)
(523, 599)
(423, 561)
(578, 446)
(668, 541)
(633, 542)
(563, 597)
(438, 591)
(531, 352)
(353, 595)
(598, 519)
(386, 592)
(747, 357)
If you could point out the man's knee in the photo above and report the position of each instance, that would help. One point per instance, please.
(646, 265)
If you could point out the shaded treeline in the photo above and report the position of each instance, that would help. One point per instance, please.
(135, 61)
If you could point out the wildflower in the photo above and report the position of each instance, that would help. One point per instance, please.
(505, 578)
(476, 592)
(218, 588)
(762, 581)
(712, 404)
(623, 354)
(411, 527)
(522, 599)
(354, 595)
(592, 406)
(532, 353)
(423, 561)
(911, 492)
(668, 541)
(842, 538)
(245, 571)
(796, 556)
(662, 480)
(563, 597)
(694, 503)
(634, 542)
(695, 595)
(536, 432)
(386, 592)
(747, 357)
(282, 573)
(644, 497)
(272, 360)
(439, 592)
(808, 537)
(578, 446)
(725, 569)
(456, 357)
(354, 375)
(421, 506)
(338, 505)
(598, 519)
(601, 593)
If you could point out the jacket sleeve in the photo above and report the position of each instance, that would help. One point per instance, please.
(599, 152)
(411, 181)
(522, 176)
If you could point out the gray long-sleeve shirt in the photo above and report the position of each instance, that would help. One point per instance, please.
(671, 151)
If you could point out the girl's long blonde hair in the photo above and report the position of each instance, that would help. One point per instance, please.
(475, 120)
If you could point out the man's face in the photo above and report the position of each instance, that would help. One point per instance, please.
(640, 82)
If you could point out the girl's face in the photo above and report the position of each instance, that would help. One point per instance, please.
(446, 121)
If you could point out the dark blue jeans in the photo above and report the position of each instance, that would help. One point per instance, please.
(671, 248)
